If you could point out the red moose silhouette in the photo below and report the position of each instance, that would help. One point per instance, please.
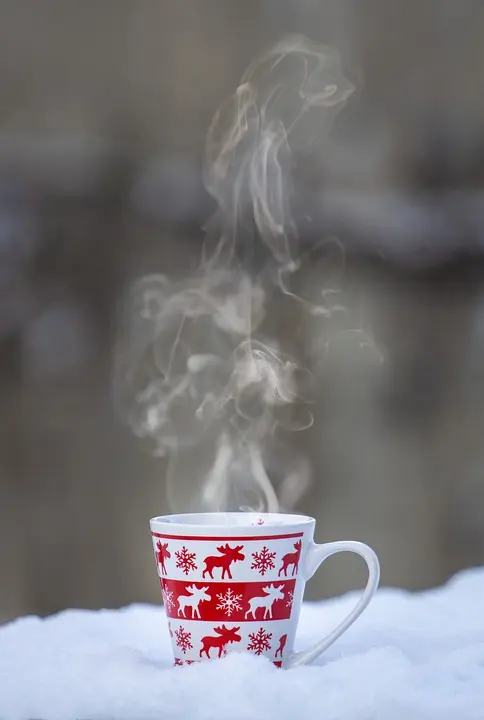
(221, 640)
(291, 559)
(282, 645)
(228, 556)
(162, 553)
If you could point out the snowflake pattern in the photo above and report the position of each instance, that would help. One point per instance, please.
(289, 599)
(185, 560)
(168, 601)
(183, 639)
(259, 641)
(179, 661)
(263, 560)
(229, 602)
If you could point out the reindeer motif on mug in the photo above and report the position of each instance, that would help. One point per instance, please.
(291, 558)
(162, 553)
(221, 640)
(224, 560)
(193, 599)
(282, 645)
(273, 593)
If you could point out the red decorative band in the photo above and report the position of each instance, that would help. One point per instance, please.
(236, 602)
(221, 538)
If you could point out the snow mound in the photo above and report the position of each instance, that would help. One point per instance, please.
(409, 657)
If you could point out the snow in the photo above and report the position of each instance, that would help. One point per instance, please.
(409, 657)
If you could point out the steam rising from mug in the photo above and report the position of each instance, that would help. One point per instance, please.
(195, 373)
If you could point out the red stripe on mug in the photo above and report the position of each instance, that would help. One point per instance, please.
(228, 538)
(222, 602)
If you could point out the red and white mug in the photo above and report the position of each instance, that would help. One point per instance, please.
(234, 582)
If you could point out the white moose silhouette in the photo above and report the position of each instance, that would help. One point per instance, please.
(273, 593)
(193, 600)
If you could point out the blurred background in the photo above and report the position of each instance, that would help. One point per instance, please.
(104, 107)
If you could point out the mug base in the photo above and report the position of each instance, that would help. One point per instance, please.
(179, 662)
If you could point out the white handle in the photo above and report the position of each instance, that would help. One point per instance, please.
(315, 556)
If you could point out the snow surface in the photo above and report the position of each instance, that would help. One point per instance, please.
(409, 657)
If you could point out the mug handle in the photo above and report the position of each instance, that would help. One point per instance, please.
(314, 557)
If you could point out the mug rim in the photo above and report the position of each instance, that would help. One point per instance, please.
(222, 521)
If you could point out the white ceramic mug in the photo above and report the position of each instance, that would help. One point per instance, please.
(234, 582)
